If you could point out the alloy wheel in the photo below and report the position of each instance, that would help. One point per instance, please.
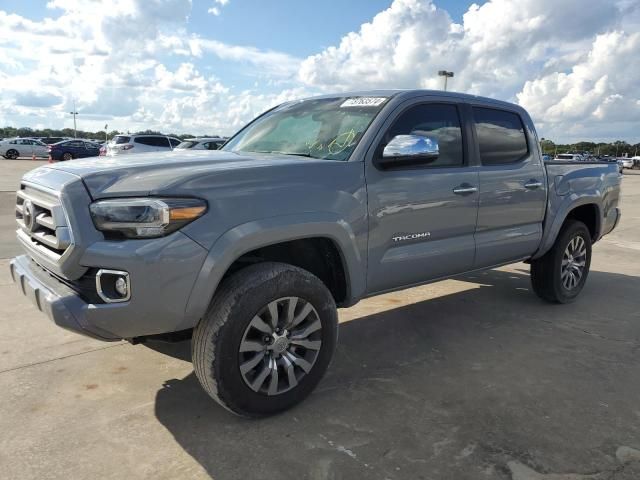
(573, 262)
(280, 346)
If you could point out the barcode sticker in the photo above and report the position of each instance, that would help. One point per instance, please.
(363, 102)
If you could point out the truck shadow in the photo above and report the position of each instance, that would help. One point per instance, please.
(454, 386)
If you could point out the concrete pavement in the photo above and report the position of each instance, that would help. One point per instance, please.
(470, 378)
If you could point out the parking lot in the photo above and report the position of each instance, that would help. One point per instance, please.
(469, 378)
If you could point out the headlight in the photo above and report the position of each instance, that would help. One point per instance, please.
(145, 217)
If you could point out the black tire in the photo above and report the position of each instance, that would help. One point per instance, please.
(216, 339)
(67, 156)
(12, 154)
(546, 271)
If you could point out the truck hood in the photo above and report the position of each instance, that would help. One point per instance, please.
(163, 172)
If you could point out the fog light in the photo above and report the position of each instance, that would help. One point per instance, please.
(121, 286)
(113, 285)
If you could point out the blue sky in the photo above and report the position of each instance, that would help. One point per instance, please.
(209, 66)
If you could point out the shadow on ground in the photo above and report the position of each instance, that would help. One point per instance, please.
(486, 383)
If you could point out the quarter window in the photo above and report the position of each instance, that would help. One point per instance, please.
(437, 120)
(501, 136)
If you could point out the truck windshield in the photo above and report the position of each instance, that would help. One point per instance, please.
(326, 128)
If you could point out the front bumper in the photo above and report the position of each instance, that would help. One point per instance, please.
(162, 273)
(52, 297)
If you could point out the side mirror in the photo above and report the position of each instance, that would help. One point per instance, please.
(409, 150)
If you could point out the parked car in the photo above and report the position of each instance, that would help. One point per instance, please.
(125, 144)
(70, 149)
(625, 162)
(52, 140)
(204, 143)
(252, 246)
(22, 147)
(573, 157)
(546, 158)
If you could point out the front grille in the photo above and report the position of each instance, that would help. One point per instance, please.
(42, 224)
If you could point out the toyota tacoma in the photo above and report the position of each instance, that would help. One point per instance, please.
(316, 204)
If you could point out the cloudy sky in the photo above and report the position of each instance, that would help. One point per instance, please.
(208, 66)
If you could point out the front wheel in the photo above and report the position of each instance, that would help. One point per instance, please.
(266, 340)
(560, 274)
(12, 154)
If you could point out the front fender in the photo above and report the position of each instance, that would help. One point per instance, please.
(268, 231)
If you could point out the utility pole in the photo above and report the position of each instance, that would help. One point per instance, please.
(106, 135)
(446, 75)
(74, 113)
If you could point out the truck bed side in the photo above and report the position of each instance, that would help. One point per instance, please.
(575, 184)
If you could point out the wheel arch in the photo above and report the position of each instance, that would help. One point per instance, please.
(586, 209)
(329, 235)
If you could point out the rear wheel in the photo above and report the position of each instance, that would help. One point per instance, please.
(67, 156)
(266, 340)
(560, 274)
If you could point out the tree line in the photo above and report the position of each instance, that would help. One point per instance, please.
(10, 132)
(619, 148)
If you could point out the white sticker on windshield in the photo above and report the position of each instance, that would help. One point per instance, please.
(363, 102)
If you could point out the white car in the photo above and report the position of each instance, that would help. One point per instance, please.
(23, 147)
(625, 162)
(141, 143)
(573, 157)
(201, 143)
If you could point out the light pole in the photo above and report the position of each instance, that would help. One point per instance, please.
(74, 113)
(445, 74)
(106, 135)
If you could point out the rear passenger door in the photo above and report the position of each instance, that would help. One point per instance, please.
(512, 187)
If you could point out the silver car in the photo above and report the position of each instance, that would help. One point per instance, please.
(142, 143)
(201, 143)
(23, 147)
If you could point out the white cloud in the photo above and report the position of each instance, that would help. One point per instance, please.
(138, 65)
(215, 10)
(551, 55)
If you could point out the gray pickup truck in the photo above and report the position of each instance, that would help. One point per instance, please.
(314, 204)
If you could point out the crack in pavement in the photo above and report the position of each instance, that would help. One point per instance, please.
(61, 358)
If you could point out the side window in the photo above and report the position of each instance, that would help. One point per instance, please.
(437, 120)
(501, 136)
(75, 144)
(144, 141)
(174, 142)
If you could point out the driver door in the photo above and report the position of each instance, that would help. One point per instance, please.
(422, 217)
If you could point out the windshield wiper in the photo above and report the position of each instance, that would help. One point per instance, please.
(300, 154)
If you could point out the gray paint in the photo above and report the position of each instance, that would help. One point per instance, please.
(257, 200)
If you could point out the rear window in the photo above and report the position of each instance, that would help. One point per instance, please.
(118, 139)
(174, 142)
(501, 136)
(152, 141)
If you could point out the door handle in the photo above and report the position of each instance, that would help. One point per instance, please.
(465, 189)
(532, 184)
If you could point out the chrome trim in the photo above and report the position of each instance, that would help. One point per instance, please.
(532, 185)
(57, 221)
(464, 190)
(101, 293)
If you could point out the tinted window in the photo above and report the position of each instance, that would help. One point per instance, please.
(174, 142)
(501, 136)
(152, 141)
(438, 121)
(75, 144)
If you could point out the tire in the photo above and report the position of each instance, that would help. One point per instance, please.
(231, 321)
(12, 154)
(552, 281)
(67, 156)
